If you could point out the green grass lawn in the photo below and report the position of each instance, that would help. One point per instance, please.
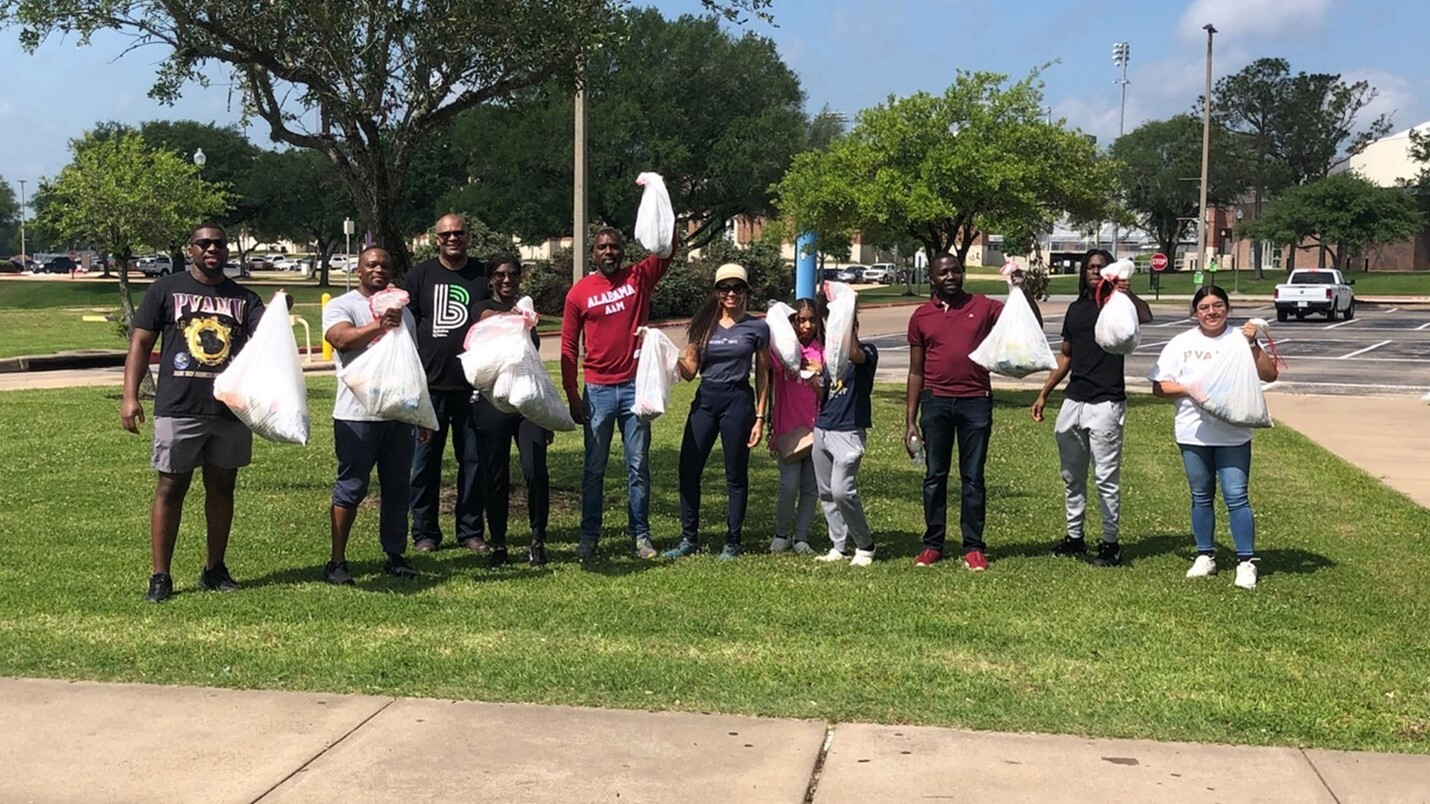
(1330, 651)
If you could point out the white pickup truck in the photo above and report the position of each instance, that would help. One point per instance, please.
(1315, 290)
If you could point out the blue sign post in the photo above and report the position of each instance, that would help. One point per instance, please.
(804, 266)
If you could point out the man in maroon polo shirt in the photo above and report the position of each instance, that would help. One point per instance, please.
(949, 399)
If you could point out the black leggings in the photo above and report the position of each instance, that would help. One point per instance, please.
(726, 410)
(495, 432)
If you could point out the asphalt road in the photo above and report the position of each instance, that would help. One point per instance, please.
(1384, 350)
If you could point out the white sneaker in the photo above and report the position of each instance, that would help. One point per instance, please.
(1202, 567)
(832, 555)
(778, 545)
(802, 547)
(1246, 574)
(863, 558)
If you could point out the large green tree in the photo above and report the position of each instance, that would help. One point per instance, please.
(1341, 215)
(943, 169)
(382, 75)
(297, 195)
(718, 114)
(9, 219)
(1154, 164)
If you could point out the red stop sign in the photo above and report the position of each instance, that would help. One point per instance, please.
(1159, 261)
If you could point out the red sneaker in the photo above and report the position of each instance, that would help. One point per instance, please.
(975, 561)
(928, 558)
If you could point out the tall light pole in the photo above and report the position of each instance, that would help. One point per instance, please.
(24, 255)
(1121, 54)
(1206, 151)
(578, 200)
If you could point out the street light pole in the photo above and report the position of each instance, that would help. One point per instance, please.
(24, 255)
(1206, 151)
(1121, 54)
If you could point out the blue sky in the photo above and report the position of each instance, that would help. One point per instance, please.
(851, 54)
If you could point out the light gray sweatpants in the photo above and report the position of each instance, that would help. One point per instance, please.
(794, 507)
(836, 469)
(1091, 430)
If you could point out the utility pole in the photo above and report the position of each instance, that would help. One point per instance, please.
(24, 255)
(578, 205)
(1206, 151)
(1121, 53)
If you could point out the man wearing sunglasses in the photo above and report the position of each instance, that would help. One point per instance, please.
(204, 319)
(445, 292)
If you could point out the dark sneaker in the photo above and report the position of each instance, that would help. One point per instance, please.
(730, 553)
(336, 573)
(217, 578)
(975, 560)
(1109, 554)
(928, 558)
(644, 549)
(536, 554)
(497, 559)
(161, 588)
(477, 545)
(1070, 547)
(685, 548)
(425, 545)
(398, 567)
(586, 551)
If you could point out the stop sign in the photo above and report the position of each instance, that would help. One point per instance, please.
(1159, 261)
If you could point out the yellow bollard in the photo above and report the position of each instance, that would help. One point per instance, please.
(323, 305)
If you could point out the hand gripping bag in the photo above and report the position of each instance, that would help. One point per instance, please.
(838, 329)
(1230, 388)
(389, 381)
(655, 220)
(264, 385)
(1117, 330)
(656, 373)
(783, 340)
(519, 382)
(386, 299)
(495, 343)
(1016, 346)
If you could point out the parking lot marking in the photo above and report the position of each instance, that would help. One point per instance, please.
(1423, 326)
(1154, 343)
(1341, 324)
(1363, 351)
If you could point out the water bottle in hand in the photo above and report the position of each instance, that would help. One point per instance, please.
(916, 446)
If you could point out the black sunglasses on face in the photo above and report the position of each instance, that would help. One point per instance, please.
(203, 244)
(449, 235)
(729, 288)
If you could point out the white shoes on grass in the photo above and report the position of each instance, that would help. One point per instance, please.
(1246, 574)
(1205, 566)
(862, 558)
(832, 555)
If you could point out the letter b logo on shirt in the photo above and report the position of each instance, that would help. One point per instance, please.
(449, 305)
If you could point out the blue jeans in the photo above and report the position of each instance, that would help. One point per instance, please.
(1232, 466)
(454, 413)
(607, 406)
(968, 421)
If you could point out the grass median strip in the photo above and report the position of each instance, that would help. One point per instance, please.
(1330, 651)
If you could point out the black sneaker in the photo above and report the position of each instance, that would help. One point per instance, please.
(398, 567)
(161, 588)
(1070, 547)
(536, 554)
(497, 559)
(336, 573)
(1109, 554)
(217, 578)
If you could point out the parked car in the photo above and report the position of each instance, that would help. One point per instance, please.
(880, 272)
(287, 263)
(58, 265)
(155, 265)
(17, 264)
(342, 262)
(840, 275)
(1313, 290)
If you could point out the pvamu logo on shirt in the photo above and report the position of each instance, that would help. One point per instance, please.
(449, 305)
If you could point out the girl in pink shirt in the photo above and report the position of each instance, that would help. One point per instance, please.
(795, 405)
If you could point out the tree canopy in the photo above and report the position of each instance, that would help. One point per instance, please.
(1342, 214)
(297, 195)
(9, 219)
(943, 169)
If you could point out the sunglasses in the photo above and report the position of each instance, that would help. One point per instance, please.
(730, 288)
(204, 244)
(452, 234)
(502, 276)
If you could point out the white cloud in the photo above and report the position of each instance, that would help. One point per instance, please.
(1394, 98)
(1263, 19)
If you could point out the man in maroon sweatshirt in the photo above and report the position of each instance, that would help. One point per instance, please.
(605, 308)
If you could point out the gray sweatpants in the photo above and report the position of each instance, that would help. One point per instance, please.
(836, 469)
(1091, 430)
(794, 507)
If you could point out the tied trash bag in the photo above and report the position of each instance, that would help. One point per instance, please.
(656, 373)
(1229, 388)
(838, 329)
(783, 340)
(389, 381)
(387, 299)
(526, 388)
(264, 385)
(655, 220)
(1117, 330)
(1016, 346)
(495, 343)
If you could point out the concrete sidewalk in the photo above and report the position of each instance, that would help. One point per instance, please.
(85, 742)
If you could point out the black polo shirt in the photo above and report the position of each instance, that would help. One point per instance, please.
(1097, 376)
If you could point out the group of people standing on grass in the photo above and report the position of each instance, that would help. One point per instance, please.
(817, 422)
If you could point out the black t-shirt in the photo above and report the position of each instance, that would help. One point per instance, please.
(492, 304)
(443, 303)
(850, 408)
(201, 328)
(1097, 376)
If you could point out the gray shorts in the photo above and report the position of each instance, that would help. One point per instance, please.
(182, 444)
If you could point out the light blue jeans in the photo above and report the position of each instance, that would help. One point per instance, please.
(607, 406)
(1232, 467)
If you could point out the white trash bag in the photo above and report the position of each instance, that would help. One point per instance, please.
(838, 329)
(264, 385)
(495, 343)
(657, 371)
(1117, 330)
(526, 388)
(655, 220)
(783, 340)
(1229, 388)
(1016, 346)
(389, 381)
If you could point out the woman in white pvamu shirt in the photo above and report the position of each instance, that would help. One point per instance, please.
(1212, 450)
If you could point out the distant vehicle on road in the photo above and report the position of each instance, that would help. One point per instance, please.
(1314, 290)
(841, 275)
(287, 263)
(155, 265)
(58, 265)
(880, 272)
